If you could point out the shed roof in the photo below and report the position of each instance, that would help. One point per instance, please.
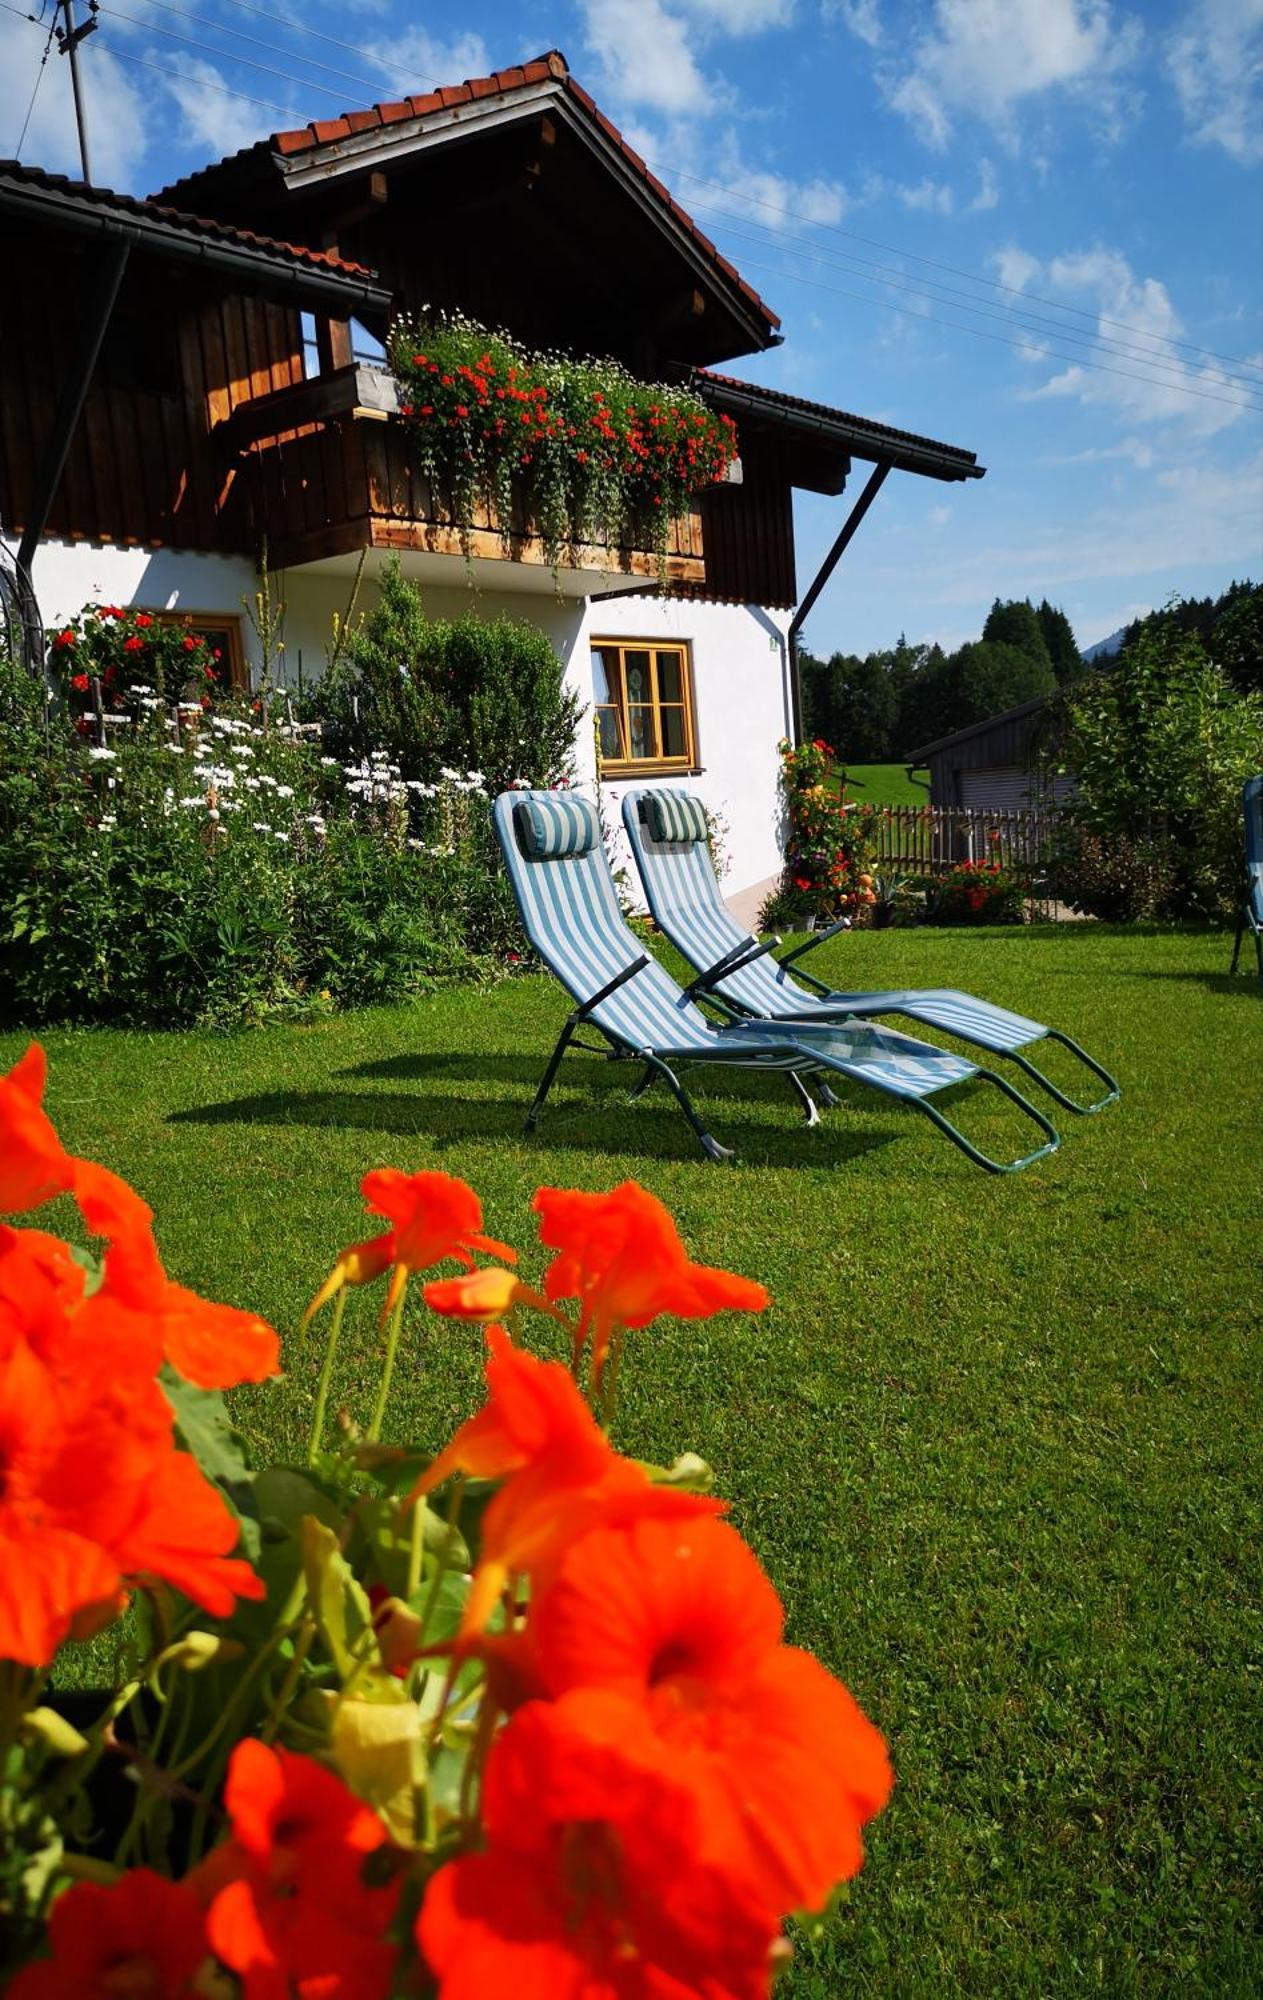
(859, 437)
(989, 722)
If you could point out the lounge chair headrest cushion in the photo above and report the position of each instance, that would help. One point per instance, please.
(674, 816)
(550, 828)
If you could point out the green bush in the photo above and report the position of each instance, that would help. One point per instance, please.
(1159, 747)
(469, 693)
(221, 870)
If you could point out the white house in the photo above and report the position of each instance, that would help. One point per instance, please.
(218, 388)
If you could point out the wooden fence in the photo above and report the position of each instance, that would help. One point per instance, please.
(930, 840)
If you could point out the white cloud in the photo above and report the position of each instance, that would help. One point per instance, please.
(712, 176)
(1215, 61)
(740, 17)
(938, 517)
(1138, 331)
(117, 107)
(212, 123)
(988, 194)
(930, 197)
(1016, 267)
(1137, 452)
(644, 53)
(861, 17)
(416, 60)
(983, 58)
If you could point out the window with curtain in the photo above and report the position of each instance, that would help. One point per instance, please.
(643, 699)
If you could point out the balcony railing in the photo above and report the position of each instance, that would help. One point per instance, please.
(322, 469)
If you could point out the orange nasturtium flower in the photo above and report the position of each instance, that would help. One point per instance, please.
(434, 1216)
(591, 1886)
(621, 1256)
(288, 1909)
(94, 1495)
(678, 1620)
(561, 1475)
(34, 1166)
(486, 1294)
(214, 1346)
(140, 1938)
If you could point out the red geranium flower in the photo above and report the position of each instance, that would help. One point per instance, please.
(142, 1938)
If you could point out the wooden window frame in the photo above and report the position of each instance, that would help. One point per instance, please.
(659, 766)
(227, 627)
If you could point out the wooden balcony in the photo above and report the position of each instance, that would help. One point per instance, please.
(321, 469)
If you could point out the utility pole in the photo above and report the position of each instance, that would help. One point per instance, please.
(68, 40)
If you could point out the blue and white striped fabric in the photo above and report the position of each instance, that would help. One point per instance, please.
(570, 912)
(556, 823)
(687, 906)
(674, 816)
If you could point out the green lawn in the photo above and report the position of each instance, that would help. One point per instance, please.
(886, 785)
(996, 1441)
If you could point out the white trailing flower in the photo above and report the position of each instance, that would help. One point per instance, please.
(100, 754)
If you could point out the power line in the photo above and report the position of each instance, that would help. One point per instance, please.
(1036, 322)
(979, 333)
(239, 34)
(39, 78)
(956, 271)
(245, 62)
(352, 48)
(198, 82)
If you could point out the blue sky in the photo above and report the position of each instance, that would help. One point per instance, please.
(1103, 164)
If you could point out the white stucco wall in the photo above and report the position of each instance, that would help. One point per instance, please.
(739, 655)
(69, 575)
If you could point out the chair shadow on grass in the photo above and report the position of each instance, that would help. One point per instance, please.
(1215, 982)
(593, 1119)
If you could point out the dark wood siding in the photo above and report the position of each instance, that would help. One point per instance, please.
(748, 531)
(144, 466)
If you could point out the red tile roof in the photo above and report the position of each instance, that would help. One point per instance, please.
(550, 67)
(193, 225)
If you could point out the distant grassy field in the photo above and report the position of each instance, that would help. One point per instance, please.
(983, 1439)
(886, 785)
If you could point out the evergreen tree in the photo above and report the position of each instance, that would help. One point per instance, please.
(1063, 647)
(926, 709)
(1016, 623)
(1236, 640)
(990, 676)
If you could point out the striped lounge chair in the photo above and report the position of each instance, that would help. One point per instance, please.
(565, 892)
(1251, 913)
(667, 832)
